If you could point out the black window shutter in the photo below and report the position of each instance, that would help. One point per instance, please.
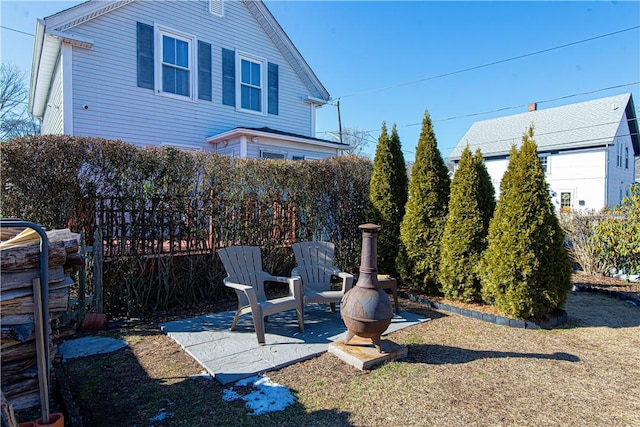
(272, 78)
(228, 77)
(145, 55)
(204, 71)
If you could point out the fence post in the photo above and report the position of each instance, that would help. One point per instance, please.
(97, 272)
(82, 281)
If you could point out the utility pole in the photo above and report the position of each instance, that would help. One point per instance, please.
(339, 121)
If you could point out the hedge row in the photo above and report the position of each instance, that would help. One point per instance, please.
(164, 212)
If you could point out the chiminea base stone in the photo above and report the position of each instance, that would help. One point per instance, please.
(361, 353)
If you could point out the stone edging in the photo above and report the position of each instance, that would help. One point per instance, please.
(616, 294)
(553, 322)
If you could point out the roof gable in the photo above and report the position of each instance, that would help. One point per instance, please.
(580, 125)
(49, 31)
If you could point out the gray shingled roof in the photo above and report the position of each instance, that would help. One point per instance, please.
(585, 124)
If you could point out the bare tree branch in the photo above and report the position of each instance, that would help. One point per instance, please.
(357, 139)
(14, 118)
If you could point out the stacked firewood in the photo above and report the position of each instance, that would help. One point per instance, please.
(19, 266)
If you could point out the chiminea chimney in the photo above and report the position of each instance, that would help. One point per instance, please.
(533, 106)
(365, 308)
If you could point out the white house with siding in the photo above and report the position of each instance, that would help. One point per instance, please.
(587, 149)
(216, 75)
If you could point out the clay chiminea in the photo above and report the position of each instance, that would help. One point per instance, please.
(366, 309)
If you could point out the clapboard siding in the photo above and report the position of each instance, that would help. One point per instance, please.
(104, 78)
(52, 120)
(590, 185)
(233, 149)
(620, 177)
(585, 184)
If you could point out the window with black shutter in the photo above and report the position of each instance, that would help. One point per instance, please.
(145, 55)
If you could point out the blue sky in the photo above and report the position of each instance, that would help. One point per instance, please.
(389, 61)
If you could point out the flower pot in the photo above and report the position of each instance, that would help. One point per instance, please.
(55, 420)
(93, 322)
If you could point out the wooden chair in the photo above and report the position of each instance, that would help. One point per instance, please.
(243, 265)
(315, 266)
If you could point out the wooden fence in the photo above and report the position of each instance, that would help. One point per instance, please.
(194, 225)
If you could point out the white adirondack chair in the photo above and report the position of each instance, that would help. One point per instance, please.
(243, 265)
(315, 266)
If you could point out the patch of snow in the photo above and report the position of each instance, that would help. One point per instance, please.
(627, 277)
(266, 396)
(228, 395)
(246, 381)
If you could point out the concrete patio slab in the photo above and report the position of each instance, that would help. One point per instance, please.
(230, 356)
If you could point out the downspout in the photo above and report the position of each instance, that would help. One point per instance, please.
(66, 53)
(606, 176)
(35, 61)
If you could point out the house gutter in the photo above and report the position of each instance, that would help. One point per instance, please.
(235, 133)
(314, 101)
(48, 44)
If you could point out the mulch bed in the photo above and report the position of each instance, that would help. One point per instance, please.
(631, 290)
(582, 281)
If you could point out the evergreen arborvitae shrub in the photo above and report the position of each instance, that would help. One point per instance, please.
(525, 271)
(486, 191)
(425, 215)
(400, 178)
(387, 197)
(465, 235)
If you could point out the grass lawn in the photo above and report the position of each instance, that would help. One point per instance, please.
(459, 372)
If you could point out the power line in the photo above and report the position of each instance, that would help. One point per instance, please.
(512, 107)
(464, 70)
(17, 31)
(524, 105)
(536, 135)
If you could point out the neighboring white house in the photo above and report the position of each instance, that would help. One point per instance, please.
(217, 75)
(587, 149)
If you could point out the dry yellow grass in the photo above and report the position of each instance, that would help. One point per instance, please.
(459, 372)
(462, 371)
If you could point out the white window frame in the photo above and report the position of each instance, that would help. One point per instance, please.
(191, 40)
(619, 156)
(546, 163)
(626, 157)
(274, 152)
(570, 205)
(263, 82)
